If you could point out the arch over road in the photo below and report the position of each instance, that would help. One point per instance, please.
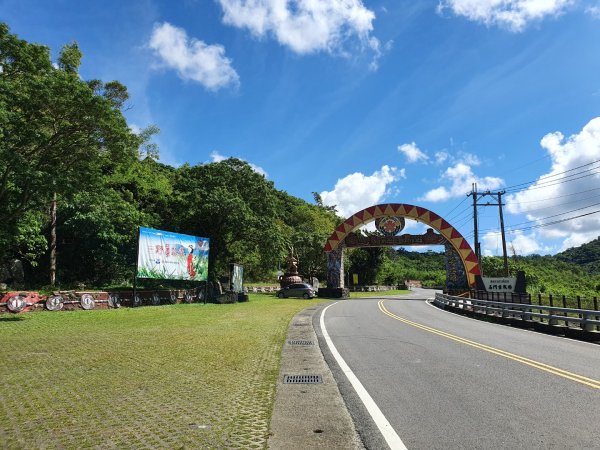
(335, 243)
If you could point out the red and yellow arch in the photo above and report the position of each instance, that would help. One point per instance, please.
(417, 213)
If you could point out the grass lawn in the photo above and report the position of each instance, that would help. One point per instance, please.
(377, 294)
(173, 376)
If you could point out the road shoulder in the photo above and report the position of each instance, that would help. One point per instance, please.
(309, 416)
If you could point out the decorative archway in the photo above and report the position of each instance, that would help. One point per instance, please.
(335, 244)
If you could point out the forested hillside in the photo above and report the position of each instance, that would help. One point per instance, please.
(71, 167)
(544, 274)
(586, 256)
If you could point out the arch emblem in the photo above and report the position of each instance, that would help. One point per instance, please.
(413, 212)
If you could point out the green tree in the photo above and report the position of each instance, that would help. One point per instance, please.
(58, 135)
(236, 208)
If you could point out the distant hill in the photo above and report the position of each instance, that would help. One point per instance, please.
(587, 256)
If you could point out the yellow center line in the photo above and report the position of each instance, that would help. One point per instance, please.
(530, 362)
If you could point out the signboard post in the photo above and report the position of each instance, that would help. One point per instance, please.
(237, 278)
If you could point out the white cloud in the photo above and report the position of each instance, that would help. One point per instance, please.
(569, 189)
(460, 178)
(441, 157)
(412, 153)
(514, 15)
(216, 157)
(358, 191)
(594, 11)
(522, 244)
(191, 58)
(306, 26)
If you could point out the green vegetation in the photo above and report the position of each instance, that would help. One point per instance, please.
(386, 266)
(66, 138)
(194, 376)
(587, 256)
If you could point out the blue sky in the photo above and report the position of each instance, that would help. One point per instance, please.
(366, 101)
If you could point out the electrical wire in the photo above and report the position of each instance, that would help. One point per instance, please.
(552, 223)
(553, 206)
(554, 175)
(558, 196)
(542, 186)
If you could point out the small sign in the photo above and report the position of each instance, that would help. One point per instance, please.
(499, 284)
(355, 278)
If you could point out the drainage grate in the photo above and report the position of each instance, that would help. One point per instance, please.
(302, 379)
(300, 324)
(300, 342)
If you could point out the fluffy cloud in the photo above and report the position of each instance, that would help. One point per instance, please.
(569, 189)
(514, 15)
(217, 157)
(459, 179)
(522, 244)
(305, 26)
(191, 58)
(358, 191)
(412, 153)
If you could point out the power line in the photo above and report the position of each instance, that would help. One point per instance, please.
(553, 223)
(555, 175)
(548, 184)
(553, 206)
(558, 196)
(450, 212)
(512, 227)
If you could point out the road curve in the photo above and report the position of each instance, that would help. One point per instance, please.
(445, 381)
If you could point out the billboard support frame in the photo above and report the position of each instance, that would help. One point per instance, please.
(135, 274)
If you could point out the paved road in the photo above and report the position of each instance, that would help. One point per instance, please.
(445, 381)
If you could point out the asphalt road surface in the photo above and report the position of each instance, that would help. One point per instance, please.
(445, 381)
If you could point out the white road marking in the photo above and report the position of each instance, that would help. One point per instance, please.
(388, 432)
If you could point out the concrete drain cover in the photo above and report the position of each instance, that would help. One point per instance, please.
(300, 342)
(302, 379)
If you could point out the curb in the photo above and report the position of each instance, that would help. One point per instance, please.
(309, 416)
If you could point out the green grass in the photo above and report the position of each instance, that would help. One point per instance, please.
(377, 294)
(176, 376)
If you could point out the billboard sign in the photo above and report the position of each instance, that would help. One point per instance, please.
(237, 278)
(164, 255)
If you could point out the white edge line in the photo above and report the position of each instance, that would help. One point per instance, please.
(388, 432)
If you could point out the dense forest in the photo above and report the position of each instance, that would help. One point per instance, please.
(76, 182)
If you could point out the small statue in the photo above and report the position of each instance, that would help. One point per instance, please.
(291, 274)
(292, 262)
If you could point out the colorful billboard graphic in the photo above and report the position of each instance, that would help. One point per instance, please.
(237, 278)
(171, 256)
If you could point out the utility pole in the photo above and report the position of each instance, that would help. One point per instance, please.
(502, 232)
(475, 227)
(477, 195)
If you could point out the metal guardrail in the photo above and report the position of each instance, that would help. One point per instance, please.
(587, 319)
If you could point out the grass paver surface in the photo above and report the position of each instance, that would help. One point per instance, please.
(173, 376)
